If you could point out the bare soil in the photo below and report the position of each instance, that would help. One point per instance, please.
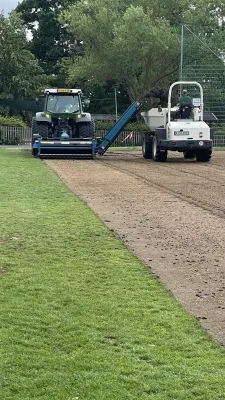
(172, 215)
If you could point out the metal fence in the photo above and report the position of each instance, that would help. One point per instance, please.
(219, 141)
(125, 138)
(202, 60)
(17, 135)
(14, 135)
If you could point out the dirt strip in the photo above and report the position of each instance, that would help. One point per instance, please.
(172, 215)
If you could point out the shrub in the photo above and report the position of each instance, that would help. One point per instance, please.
(11, 121)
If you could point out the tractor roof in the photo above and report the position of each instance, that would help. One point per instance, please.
(54, 91)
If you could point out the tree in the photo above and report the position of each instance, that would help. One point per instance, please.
(125, 43)
(20, 74)
(135, 44)
(50, 40)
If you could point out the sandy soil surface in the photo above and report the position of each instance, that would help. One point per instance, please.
(172, 215)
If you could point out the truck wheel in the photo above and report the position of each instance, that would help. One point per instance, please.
(203, 155)
(189, 154)
(147, 146)
(157, 153)
(86, 129)
(43, 129)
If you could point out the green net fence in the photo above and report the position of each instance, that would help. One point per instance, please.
(203, 60)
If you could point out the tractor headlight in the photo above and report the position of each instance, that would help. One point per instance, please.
(201, 143)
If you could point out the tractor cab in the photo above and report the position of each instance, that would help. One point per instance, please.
(62, 101)
(63, 104)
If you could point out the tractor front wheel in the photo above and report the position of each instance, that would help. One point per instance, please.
(43, 129)
(86, 129)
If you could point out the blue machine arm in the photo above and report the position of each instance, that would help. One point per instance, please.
(114, 132)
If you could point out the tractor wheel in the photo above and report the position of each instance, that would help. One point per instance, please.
(189, 154)
(34, 152)
(34, 131)
(86, 129)
(147, 146)
(43, 129)
(157, 153)
(34, 127)
(203, 155)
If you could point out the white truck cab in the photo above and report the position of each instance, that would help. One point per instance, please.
(190, 135)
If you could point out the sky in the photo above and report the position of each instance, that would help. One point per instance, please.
(8, 5)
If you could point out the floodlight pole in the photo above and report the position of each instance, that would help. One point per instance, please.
(116, 109)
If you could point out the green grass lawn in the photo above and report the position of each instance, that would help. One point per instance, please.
(81, 317)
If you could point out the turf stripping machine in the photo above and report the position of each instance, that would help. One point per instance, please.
(63, 128)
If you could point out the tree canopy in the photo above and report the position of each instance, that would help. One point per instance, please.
(20, 74)
(134, 43)
(50, 40)
(128, 45)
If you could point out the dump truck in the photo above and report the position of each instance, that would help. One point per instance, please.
(177, 129)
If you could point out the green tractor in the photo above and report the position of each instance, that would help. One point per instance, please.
(63, 116)
(62, 121)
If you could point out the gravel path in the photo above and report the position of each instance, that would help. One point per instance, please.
(172, 215)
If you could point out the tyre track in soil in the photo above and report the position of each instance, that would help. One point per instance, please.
(215, 207)
(204, 168)
(166, 214)
(187, 197)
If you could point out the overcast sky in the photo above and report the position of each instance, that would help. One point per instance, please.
(8, 5)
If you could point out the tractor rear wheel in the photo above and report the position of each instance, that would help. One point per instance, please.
(147, 146)
(203, 155)
(43, 129)
(157, 153)
(34, 126)
(188, 154)
(86, 129)
(34, 131)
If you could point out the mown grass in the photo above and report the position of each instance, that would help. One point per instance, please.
(81, 317)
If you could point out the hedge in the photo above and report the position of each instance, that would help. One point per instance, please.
(11, 121)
